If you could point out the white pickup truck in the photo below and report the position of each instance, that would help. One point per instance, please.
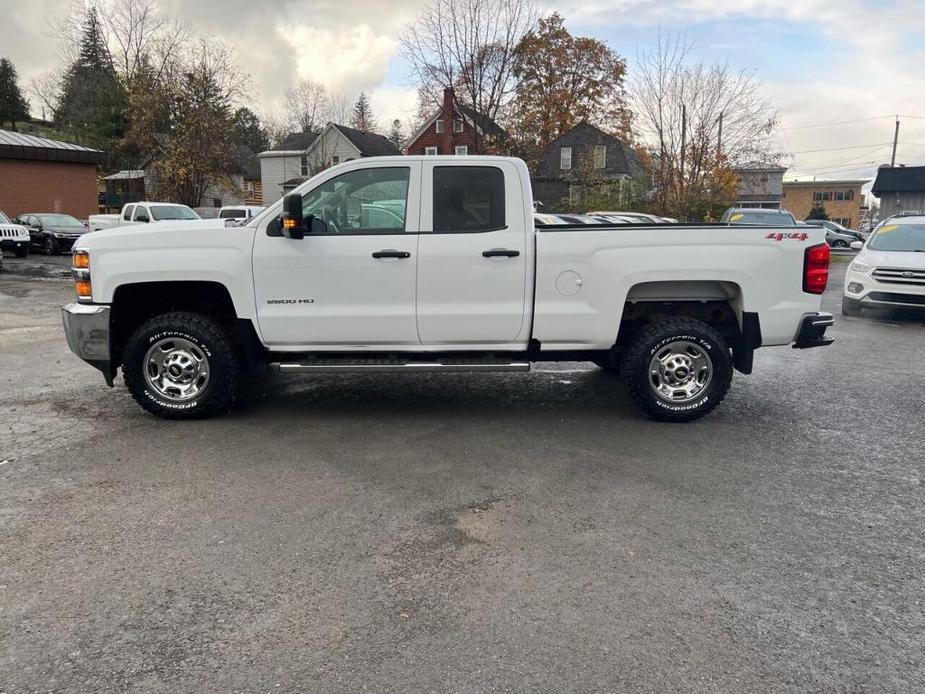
(435, 264)
(142, 213)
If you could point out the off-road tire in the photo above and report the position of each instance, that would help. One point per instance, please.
(211, 338)
(645, 346)
(22, 251)
(850, 308)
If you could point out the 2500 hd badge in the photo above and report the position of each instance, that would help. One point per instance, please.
(290, 301)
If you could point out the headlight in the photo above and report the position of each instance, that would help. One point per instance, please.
(859, 266)
(81, 272)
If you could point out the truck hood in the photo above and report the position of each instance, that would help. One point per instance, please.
(904, 260)
(162, 235)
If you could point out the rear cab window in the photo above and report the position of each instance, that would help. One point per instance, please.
(468, 199)
(127, 213)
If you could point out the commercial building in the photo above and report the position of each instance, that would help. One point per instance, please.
(760, 185)
(900, 189)
(42, 175)
(842, 200)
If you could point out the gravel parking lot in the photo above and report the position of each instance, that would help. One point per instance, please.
(464, 533)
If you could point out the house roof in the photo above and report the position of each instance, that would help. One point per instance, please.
(621, 159)
(853, 182)
(899, 179)
(759, 166)
(125, 175)
(14, 145)
(483, 123)
(369, 144)
(293, 142)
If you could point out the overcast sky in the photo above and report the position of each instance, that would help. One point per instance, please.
(820, 61)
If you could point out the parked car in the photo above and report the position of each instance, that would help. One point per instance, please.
(52, 232)
(758, 215)
(143, 213)
(636, 217)
(839, 233)
(240, 212)
(466, 281)
(13, 237)
(889, 270)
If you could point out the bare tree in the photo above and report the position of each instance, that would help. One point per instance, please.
(139, 36)
(468, 45)
(698, 121)
(306, 106)
(339, 108)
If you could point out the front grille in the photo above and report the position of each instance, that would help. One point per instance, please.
(893, 275)
(894, 298)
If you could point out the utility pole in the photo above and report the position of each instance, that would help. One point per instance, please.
(895, 141)
(719, 138)
(683, 138)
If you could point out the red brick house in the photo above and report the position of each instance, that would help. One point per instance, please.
(456, 129)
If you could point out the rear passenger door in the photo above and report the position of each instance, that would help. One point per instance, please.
(472, 256)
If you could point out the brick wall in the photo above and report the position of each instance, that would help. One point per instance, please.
(447, 141)
(42, 186)
(799, 201)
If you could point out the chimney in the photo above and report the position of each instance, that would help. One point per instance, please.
(449, 99)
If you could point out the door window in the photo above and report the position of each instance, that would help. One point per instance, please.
(468, 198)
(127, 215)
(366, 201)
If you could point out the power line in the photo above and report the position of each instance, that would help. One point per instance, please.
(843, 122)
(839, 149)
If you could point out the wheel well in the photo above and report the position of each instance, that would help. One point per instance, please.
(133, 304)
(718, 304)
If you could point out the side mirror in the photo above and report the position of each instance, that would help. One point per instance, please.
(857, 245)
(292, 222)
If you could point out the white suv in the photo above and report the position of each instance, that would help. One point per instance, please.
(889, 272)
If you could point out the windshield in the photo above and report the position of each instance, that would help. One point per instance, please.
(161, 213)
(766, 217)
(3, 218)
(59, 220)
(899, 237)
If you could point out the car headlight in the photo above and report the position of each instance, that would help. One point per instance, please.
(859, 266)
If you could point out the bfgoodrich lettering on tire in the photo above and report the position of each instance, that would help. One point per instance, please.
(677, 369)
(181, 365)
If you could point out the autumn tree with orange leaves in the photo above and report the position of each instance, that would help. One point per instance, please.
(563, 80)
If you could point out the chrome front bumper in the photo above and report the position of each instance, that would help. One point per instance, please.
(86, 327)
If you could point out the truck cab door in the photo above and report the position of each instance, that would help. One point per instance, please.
(473, 256)
(349, 283)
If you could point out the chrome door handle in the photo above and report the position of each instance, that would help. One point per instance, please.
(391, 253)
(500, 252)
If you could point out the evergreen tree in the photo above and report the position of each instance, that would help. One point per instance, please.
(92, 98)
(396, 136)
(363, 114)
(248, 130)
(13, 105)
(818, 212)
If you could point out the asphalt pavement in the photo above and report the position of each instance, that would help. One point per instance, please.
(463, 533)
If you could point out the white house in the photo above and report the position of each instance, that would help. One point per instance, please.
(300, 155)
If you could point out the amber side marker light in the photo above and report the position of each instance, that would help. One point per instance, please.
(81, 271)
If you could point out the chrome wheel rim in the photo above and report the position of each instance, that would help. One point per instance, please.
(176, 369)
(680, 372)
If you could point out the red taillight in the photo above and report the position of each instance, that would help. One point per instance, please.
(816, 268)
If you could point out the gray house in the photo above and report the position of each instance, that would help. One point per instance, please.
(900, 189)
(583, 156)
(760, 185)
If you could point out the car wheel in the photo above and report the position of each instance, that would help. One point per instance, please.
(677, 370)
(850, 308)
(50, 245)
(181, 365)
(839, 244)
(22, 251)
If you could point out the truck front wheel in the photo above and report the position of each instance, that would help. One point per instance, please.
(677, 370)
(181, 365)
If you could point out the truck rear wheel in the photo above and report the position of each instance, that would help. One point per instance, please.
(677, 370)
(181, 365)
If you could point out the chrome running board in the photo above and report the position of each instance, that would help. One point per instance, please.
(331, 366)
